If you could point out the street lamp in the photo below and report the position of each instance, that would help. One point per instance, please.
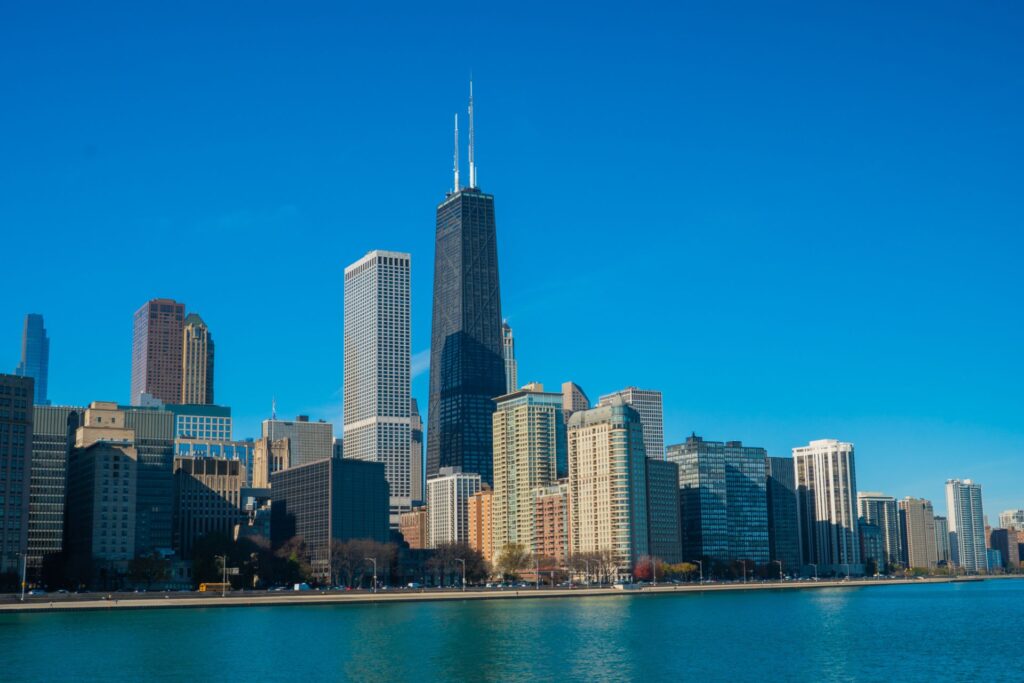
(779, 562)
(224, 579)
(374, 560)
(815, 571)
(459, 559)
(847, 565)
(586, 577)
(744, 563)
(24, 571)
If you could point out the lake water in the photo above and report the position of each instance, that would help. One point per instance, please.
(891, 633)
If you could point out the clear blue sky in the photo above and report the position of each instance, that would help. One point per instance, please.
(798, 220)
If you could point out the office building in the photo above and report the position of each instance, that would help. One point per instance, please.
(198, 421)
(529, 442)
(942, 551)
(872, 547)
(551, 529)
(827, 506)
(207, 499)
(196, 362)
(966, 519)
(467, 367)
(663, 511)
(881, 511)
(416, 473)
(573, 399)
(508, 349)
(308, 441)
(448, 497)
(608, 484)
(648, 404)
(377, 370)
(413, 527)
(917, 531)
(16, 416)
(723, 496)
(242, 451)
(481, 522)
(100, 531)
(269, 456)
(783, 522)
(332, 499)
(1005, 541)
(53, 436)
(156, 351)
(154, 445)
(35, 357)
(339, 448)
(1012, 519)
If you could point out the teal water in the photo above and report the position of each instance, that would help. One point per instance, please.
(904, 633)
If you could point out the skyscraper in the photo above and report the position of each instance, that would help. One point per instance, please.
(663, 519)
(723, 495)
(196, 362)
(966, 520)
(377, 370)
(1012, 519)
(942, 540)
(416, 478)
(157, 351)
(573, 399)
(647, 402)
(880, 510)
(508, 348)
(154, 445)
(783, 523)
(53, 436)
(467, 368)
(308, 441)
(35, 356)
(608, 484)
(15, 469)
(448, 496)
(827, 499)
(529, 441)
(917, 530)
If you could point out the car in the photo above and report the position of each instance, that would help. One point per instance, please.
(37, 592)
(415, 585)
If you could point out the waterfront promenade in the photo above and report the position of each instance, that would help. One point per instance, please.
(62, 603)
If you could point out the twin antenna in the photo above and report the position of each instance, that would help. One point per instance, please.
(472, 164)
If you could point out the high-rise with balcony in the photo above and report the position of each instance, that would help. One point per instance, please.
(157, 351)
(827, 506)
(35, 356)
(529, 442)
(917, 531)
(508, 349)
(196, 362)
(966, 520)
(647, 402)
(467, 367)
(448, 496)
(377, 370)
(881, 511)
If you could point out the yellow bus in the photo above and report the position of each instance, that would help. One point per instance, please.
(214, 587)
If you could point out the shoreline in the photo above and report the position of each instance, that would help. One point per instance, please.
(288, 599)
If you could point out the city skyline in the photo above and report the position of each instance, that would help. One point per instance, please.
(903, 330)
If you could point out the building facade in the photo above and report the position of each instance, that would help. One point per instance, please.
(881, 511)
(723, 495)
(481, 522)
(551, 529)
(53, 437)
(508, 350)
(827, 506)
(377, 369)
(467, 367)
(1005, 541)
(35, 357)
(207, 499)
(608, 484)
(1012, 519)
(197, 421)
(269, 456)
(156, 351)
(529, 442)
(242, 451)
(308, 441)
(966, 519)
(647, 402)
(942, 551)
(573, 399)
(872, 547)
(917, 531)
(413, 527)
(16, 415)
(783, 521)
(448, 497)
(417, 476)
(663, 511)
(196, 362)
(154, 445)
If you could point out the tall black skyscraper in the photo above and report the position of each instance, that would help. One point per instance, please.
(467, 368)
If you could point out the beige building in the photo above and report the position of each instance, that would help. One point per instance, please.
(196, 362)
(207, 499)
(448, 497)
(529, 434)
(918, 521)
(269, 457)
(573, 399)
(100, 504)
(551, 526)
(413, 525)
(481, 527)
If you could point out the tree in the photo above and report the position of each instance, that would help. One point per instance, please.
(294, 566)
(149, 569)
(514, 558)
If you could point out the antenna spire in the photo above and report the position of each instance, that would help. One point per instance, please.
(455, 163)
(472, 164)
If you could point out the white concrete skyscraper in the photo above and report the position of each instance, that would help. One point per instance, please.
(647, 402)
(377, 374)
(508, 350)
(966, 520)
(827, 506)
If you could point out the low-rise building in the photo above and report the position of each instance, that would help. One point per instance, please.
(413, 526)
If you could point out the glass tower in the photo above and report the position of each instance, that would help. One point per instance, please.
(467, 367)
(35, 356)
